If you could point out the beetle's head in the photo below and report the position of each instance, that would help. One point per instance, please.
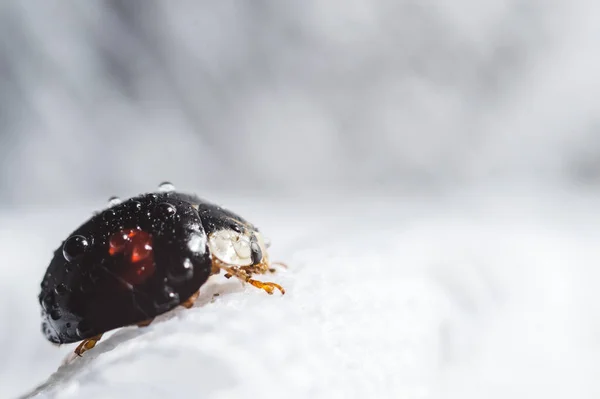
(235, 248)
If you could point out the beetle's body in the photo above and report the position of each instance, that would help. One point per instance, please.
(134, 261)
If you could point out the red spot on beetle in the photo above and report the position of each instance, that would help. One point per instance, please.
(136, 246)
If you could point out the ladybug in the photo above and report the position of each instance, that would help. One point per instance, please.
(143, 257)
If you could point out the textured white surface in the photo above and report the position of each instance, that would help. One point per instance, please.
(465, 297)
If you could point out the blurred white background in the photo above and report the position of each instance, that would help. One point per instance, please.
(357, 99)
(292, 97)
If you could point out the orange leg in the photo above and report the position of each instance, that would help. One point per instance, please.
(263, 268)
(269, 287)
(87, 344)
(245, 276)
(190, 301)
(145, 323)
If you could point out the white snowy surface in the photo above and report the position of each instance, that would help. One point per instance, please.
(477, 295)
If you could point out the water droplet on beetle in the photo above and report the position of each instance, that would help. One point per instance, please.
(134, 206)
(167, 209)
(171, 296)
(166, 187)
(169, 300)
(179, 273)
(112, 201)
(61, 289)
(108, 215)
(74, 246)
(197, 243)
(55, 314)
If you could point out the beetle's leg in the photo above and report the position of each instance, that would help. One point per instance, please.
(190, 301)
(260, 268)
(145, 323)
(245, 276)
(215, 269)
(87, 344)
(263, 268)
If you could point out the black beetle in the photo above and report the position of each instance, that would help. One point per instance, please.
(143, 257)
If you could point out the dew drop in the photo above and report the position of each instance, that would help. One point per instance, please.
(171, 296)
(135, 206)
(112, 201)
(179, 273)
(108, 215)
(166, 187)
(55, 314)
(197, 243)
(74, 247)
(167, 209)
(61, 289)
(169, 300)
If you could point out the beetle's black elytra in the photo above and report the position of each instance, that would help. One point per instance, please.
(138, 259)
(127, 264)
